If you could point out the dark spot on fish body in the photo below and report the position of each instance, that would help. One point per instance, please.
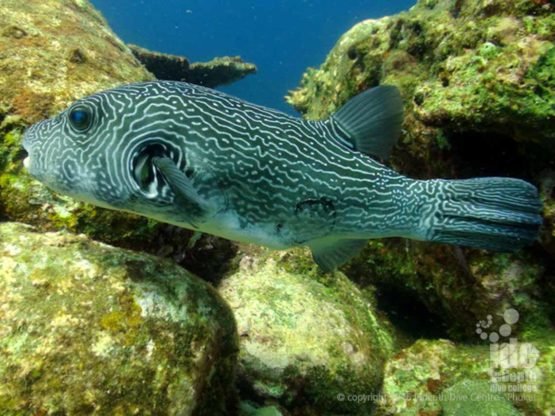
(316, 208)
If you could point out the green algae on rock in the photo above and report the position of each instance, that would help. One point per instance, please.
(308, 341)
(456, 287)
(89, 329)
(470, 398)
(429, 376)
(473, 65)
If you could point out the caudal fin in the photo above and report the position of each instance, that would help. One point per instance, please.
(500, 214)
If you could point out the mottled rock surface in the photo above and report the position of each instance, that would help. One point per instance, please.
(219, 71)
(485, 66)
(478, 83)
(55, 51)
(438, 377)
(307, 340)
(89, 329)
(469, 398)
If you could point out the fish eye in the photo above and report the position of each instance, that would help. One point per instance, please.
(81, 118)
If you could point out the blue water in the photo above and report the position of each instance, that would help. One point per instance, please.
(282, 37)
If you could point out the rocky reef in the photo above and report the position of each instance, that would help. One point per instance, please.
(407, 328)
(219, 71)
(54, 52)
(90, 329)
(306, 338)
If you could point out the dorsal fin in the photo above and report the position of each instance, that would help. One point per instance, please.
(371, 121)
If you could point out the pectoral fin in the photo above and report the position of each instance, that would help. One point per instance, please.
(330, 254)
(185, 193)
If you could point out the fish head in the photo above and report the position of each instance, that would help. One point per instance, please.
(100, 150)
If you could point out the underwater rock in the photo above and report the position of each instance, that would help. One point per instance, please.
(219, 71)
(437, 290)
(437, 377)
(164, 66)
(480, 66)
(55, 51)
(87, 328)
(478, 82)
(311, 342)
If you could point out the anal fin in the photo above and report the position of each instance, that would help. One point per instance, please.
(332, 253)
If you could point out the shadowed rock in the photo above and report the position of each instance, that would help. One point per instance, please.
(219, 71)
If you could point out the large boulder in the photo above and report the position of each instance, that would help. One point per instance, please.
(309, 341)
(482, 66)
(87, 328)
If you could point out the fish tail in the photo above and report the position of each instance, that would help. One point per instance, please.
(499, 214)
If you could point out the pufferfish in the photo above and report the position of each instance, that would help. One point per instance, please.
(203, 160)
